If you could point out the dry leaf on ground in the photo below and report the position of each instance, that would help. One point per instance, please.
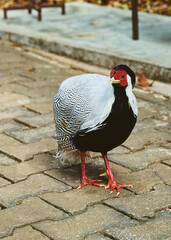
(142, 80)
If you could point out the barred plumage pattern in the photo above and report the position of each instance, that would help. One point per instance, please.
(66, 118)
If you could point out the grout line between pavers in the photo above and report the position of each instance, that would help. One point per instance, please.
(10, 156)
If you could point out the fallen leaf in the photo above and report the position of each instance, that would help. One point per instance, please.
(94, 22)
(30, 69)
(52, 59)
(13, 44)
(142, 80)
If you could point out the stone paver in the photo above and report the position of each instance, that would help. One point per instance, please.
(29, 211)
(141, 159)
(34, 185)
(96, 236)
(140, 180)
(22, 151)
(144, 205)
(26, 233)
(8, 125)
(39, 163)
(87, 196)
(39, 198)
(5, 161)
(16, 112)
(163, 171)
(33, 135)
(138, 141)
(94, 219)
(36, 121)
(3, 182)
(157, 229)
(12, 100)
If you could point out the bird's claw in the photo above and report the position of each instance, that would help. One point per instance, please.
(117, 186)
(88, 181)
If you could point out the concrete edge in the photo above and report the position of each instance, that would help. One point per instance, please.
(97, 58)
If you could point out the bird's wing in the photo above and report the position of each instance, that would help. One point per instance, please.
(82, 102)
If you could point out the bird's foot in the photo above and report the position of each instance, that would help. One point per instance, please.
(86, 180)
(112, 185)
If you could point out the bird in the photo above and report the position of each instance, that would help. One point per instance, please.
(95, 113)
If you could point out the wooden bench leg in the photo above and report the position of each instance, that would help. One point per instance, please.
(5, 14)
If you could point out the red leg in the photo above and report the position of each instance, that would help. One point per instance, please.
(112, 183)
(85, 179)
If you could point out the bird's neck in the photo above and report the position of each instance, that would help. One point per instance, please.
(120, 93)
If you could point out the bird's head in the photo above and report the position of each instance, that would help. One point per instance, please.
(119, 76)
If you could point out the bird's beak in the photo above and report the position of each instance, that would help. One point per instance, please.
(114, 81)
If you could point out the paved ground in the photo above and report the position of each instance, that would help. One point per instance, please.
(38, 200)
(98, 35)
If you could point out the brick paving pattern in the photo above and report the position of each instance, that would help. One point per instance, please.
(39, 200)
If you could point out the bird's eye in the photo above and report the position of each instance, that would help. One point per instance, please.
(123, 76)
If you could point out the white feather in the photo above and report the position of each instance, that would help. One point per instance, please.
(131, 98)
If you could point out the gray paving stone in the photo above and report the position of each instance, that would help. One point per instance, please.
(94, 219)
(13, 88)
(26, 233)
(20, 171)
(78, 200)
(26, 151)
(149, 124)
(143, 206)
(48, 90)
(38, 120)
(3, 182)
(141, 159)
(137, 141)
(29, 211)
(33, 135)
(15, 112)
(9, 100)
(5, 161)
(158, 229)
(41, 107)
(34, 185)
(9, 125)
(142, 181)
(96, 236)
(163, 171)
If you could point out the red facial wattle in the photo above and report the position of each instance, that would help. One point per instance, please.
(120, 75)
(112, 73)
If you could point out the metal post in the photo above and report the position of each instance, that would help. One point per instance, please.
(135, 19)
(63, 8)
(39, 14)
(5, 14)
(29, 10)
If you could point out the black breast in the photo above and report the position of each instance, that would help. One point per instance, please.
(117, 127)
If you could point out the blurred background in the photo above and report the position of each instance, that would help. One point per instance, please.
(160, 7)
